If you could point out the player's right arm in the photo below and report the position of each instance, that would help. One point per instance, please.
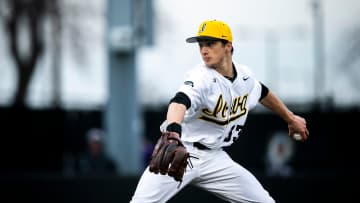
(176, 112)
(188, 96)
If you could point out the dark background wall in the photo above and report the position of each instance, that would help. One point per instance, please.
(33, 144)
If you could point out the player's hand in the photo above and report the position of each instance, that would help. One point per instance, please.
(169, 156)
(298, 125)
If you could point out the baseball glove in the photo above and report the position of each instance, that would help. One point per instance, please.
(169, 156)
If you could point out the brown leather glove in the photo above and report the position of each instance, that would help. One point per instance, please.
(169, 156)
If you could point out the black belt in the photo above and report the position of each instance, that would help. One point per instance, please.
(200, 146)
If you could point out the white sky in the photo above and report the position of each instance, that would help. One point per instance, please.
(287, 69)
(291, 76)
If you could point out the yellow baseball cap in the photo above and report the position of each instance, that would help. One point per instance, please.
(212, 30)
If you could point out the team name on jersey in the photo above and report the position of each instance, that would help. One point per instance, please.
(219, 114)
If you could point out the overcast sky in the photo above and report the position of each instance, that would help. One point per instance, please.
(284, 63)
(273, 37)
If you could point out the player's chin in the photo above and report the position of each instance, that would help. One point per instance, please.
(207, 60)
(208, 63)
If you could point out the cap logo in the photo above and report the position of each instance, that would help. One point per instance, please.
(202, 28)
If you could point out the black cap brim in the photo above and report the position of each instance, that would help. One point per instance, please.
(201, 38)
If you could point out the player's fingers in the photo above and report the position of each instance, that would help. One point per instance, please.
(305, 135)
(291, 131)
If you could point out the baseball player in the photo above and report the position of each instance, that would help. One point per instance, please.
(208, 113)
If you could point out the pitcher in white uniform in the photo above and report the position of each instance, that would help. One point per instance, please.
(208, 112)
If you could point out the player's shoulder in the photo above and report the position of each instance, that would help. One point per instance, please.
(198, 76)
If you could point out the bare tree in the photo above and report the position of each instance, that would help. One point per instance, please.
(33, 12)
(65, 17)
(30, 14)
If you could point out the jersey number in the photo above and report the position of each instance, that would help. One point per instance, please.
(234, 133)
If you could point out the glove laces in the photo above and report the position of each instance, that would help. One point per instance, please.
(191, 166)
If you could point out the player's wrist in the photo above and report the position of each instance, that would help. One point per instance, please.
(289, 118)
(174, 127)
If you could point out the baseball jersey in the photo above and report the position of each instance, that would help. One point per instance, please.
(219, 107)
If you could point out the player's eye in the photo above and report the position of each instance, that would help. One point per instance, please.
(206, 44)
(210, 43)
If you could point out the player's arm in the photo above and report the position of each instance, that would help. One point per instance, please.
(176, 111)
(296, 124)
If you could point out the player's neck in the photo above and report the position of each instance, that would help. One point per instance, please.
(226, 68)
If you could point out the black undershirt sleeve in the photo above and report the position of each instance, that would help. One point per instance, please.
(181, 98)
(264, 91)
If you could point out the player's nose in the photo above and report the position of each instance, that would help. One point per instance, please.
(204, 50)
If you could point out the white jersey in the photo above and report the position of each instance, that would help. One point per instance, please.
(219, 107)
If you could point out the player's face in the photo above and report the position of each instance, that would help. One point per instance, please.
(212, 52)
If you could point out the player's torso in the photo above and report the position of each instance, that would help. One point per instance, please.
(218, 119)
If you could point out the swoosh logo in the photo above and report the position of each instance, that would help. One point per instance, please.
(190, 83)
(245, 78)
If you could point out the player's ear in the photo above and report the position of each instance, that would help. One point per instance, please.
(228, 46)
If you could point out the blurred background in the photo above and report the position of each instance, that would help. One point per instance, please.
(84, 87)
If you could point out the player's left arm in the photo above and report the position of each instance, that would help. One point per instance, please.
(296, 124)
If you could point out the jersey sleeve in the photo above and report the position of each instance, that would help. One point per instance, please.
(193, 86)
(255, 94)
(255, 87)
